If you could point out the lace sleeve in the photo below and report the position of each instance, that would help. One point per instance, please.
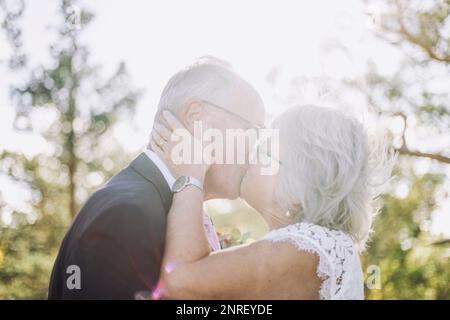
(325, 269)
(339, 265)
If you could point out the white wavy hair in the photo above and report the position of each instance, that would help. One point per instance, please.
(330, 170)
(208, 78)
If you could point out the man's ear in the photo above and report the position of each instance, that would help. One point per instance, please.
(193, 112)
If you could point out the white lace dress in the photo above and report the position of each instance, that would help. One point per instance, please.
(339, 265)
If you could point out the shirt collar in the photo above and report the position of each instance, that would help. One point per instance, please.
(170, 179)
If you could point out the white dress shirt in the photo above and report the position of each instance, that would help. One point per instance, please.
(170, 179)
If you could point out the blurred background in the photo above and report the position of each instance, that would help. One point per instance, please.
(80, 82)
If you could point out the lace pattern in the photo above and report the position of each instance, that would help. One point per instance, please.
(339, 266)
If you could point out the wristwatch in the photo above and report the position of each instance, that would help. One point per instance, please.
(184, 181)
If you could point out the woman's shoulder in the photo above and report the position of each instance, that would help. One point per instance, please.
(335, 249)
(320, 235)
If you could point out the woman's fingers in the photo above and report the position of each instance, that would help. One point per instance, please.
(158, 138)
(164, 146)
(163, 131)
(155, 147)
(172, 121)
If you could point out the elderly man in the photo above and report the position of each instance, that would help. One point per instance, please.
(115, 245)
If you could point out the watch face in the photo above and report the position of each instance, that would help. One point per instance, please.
(179, 184)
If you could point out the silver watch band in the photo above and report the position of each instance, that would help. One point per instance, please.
(191, 181)
(184, 181)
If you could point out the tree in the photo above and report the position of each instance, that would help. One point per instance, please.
(84, 107)
(11, 13)
(412, 265)
(79, 108)
(420, 33)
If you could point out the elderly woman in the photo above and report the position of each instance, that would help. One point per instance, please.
(319, 207)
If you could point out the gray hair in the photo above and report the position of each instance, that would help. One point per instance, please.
(208, 78)
(331, 170)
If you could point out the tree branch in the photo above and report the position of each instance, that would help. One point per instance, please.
(441, 242)
(416, 40)
(433, 156)
(404, 150)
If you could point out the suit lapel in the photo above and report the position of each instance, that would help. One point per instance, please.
(149, 171)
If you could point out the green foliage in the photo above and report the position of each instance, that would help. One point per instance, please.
(83, 154)
(411, 266)
(27, 252)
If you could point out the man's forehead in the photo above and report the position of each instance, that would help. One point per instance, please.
(244, 101)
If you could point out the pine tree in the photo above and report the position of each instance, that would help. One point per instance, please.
(74, 108)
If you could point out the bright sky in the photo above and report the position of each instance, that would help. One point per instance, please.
(157, 38)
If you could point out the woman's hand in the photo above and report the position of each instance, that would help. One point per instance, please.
(165, 137)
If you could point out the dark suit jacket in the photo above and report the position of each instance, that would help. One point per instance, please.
(117, 239)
